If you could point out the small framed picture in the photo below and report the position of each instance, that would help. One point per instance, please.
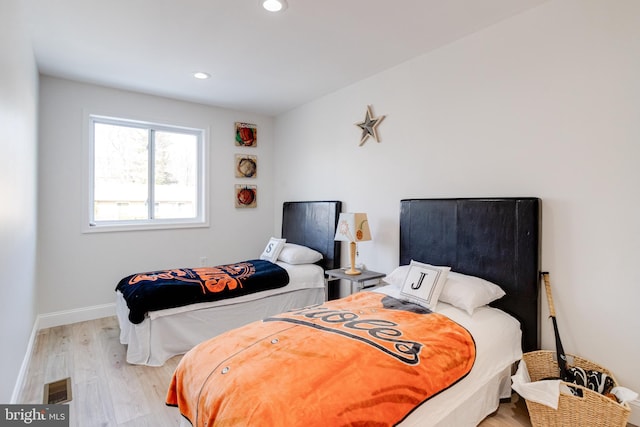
(246, 196)
(246, 166)
(246, 135)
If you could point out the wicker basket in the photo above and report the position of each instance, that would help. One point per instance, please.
(593, 409)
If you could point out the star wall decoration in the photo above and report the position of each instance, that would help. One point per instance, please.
(368, 126)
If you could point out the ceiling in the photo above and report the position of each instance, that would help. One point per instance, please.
(259, 61)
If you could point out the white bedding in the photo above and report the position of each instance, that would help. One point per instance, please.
(166, 333)
(498, 347)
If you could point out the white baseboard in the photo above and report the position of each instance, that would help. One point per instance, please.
(634, 418)
(25, 365)
(59, 318)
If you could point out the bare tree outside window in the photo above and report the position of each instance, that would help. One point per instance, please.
(145, 173)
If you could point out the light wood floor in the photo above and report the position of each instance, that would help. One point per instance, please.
(106, 391)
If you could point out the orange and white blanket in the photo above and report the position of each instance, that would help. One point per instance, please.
(367, 359)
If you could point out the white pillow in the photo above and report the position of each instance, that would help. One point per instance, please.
(397, 276)
(273, 249)
(469, 292)
(298, 254)
(423, 284)
(460, 290)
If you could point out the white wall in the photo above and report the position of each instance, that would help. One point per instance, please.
(544, 104)
(18, 147)
(77, 270)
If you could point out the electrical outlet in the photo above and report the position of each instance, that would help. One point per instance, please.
(204, 261)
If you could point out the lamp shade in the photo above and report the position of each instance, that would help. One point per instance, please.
(353, 227)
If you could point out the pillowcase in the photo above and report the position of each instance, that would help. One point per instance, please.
(298, 254)
(469, 292)
(423, 284)
(460, 290)
(273, 249)
(397, 276)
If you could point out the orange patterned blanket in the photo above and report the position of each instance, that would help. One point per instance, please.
(367, 359)
(157, 290)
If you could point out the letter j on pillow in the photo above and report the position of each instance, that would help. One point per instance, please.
(424, 284)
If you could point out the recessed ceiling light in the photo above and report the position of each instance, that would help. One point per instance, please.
(201, 75)
(274, 5)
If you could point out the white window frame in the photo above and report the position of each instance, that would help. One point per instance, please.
(89, 225)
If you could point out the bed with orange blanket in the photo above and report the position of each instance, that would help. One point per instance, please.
(494, 240)
(407, 354)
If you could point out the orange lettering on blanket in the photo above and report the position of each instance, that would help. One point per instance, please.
(152, 277)
(216, 280)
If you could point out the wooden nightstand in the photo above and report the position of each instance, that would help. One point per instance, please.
(357, 280)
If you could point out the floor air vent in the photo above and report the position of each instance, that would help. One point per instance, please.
(57, 391)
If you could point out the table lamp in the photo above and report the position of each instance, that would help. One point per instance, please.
(352, 228)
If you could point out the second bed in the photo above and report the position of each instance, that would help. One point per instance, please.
(172, 331)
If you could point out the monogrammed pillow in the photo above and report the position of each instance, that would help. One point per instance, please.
(273, 249)
(423, 284)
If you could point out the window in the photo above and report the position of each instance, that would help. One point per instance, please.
(144, 175)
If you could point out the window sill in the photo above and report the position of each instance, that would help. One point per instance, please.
(144, 226)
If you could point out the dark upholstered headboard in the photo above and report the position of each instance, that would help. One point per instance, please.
(495, 239)
(313, 224)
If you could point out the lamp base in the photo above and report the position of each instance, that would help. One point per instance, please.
(352, 258)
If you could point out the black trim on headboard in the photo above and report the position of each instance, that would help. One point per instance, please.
(496, 239)
(313, 224)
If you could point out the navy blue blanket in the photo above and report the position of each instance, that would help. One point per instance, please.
(157, 290)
